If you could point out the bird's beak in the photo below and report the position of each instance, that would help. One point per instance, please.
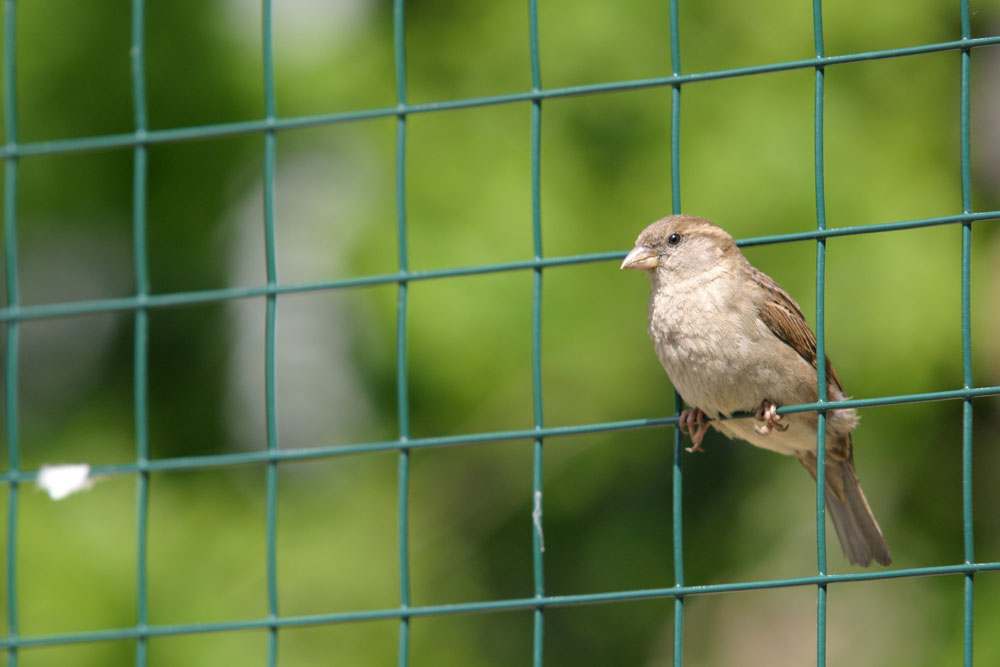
(640, 258)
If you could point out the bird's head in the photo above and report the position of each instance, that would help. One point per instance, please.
(679, 246)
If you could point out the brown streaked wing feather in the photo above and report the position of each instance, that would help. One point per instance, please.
(784, 317)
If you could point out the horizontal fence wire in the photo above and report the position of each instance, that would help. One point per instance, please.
(511, 604)
(15, 312)
(14, 476)
(306, 453)
(13, 149)
(139, 304)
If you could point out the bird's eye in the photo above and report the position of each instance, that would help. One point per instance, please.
(674, 239)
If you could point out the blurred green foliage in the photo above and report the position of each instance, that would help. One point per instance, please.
(892, 316)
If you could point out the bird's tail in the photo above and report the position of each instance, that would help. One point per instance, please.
(860, 537)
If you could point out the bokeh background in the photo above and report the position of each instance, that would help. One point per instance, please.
(892, 324)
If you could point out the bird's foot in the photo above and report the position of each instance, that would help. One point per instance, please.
(693, 423)
(767, 419)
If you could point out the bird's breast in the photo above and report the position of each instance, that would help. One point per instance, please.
(704, 347)
(719, 354)
(724, 359)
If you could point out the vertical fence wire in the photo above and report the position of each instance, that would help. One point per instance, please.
(141, 325)
(677, 518)
(402, 382)
(270, 380)
(821, 566)
(13, 326)
(967, 380)
(538, 539)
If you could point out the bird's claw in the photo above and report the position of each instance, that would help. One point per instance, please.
(766, 419)
(693, 423)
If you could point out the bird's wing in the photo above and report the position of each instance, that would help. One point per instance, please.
(784, 317)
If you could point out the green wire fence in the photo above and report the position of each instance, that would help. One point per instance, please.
(268, 126)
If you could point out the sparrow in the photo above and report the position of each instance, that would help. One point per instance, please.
(733, 341)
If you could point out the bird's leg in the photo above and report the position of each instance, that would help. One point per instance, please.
(766, 419)
(693, 423)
